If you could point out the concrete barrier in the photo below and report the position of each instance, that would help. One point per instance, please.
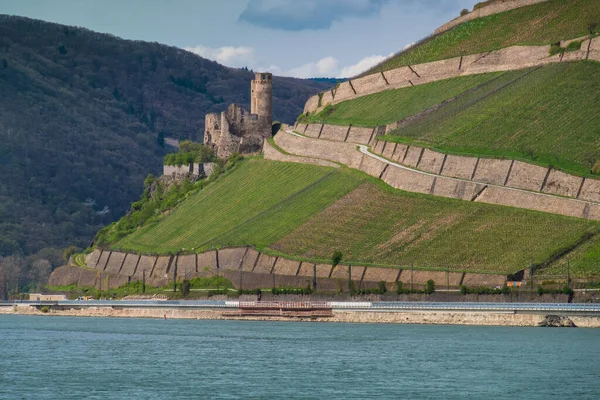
(286, 267)
(459, 167)
(413, 156)
(431, 161)
(88, 278)
(369, 84)
(231, 258)
(376, 274)
(313, 130)
(249, 260)
(271, 153)
(447, 187)
(399, 77)
(344, 91)
(372, 166)
(526, 176)
(91, 259)
(161, 269)
(562, 184)
(334, 132)
(306, 269)
(344, 153)
(400, 153)
(130, 264)
(360, 135)
(207, 259)
(186, 266)
(115, 262)
(146, 264)
(410, 181)
(474, 280)
(493, 171)
(311, 104)
(532, 201)
(388, 150)
(103, 260)
(301, 128)
(440, 278)
(264, 264)
(64, 276)
(590, 190)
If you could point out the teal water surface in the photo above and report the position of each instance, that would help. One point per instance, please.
(103, 358)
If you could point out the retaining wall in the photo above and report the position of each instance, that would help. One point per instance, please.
(243, 266)
(271, 153)
(507, 59)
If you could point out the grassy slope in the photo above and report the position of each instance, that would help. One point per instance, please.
(384, 226)
(540, 24)
(555, 123)
(292, 208)
(393, 105)
(256, 204)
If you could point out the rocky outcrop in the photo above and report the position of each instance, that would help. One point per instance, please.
(557, 321)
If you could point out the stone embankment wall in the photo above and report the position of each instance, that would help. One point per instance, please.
(247, 269)
(465, 178)
(507, 59)
(508, 173)
(271, 153)
(493, 8)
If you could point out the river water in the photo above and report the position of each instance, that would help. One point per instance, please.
(103, 358)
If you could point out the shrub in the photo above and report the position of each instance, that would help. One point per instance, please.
(464, 290)
(464, 12)
(399, 288)
(596, 168)
(567, 290)
(351, 287)
(45, 309)
(430, 287)
(336, 258)
(185, 288)
(381, 286)
(574, 46)
(540, 290)
(556, 49)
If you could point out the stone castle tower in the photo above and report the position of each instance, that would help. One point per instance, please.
(261, 96)
(241, 131)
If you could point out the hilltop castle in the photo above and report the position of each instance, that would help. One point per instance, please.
(239, 131)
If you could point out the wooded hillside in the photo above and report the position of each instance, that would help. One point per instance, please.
(82, 115)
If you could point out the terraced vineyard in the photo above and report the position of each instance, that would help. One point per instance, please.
(555, 123)
(379, 225)
(257, 204)
(393, 105)
(540, 24)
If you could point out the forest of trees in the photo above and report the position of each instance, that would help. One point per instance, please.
(82, 123)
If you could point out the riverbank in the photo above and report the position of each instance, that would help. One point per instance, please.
(367, 317)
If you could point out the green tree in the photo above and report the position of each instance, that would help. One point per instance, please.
(430, 287)
(185, 288)
(69, 251)
(336, 258)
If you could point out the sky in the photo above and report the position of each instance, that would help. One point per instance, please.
(300, 38)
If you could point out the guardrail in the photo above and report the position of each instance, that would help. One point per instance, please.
(342, 305)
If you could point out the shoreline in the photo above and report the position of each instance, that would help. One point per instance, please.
(366, 317)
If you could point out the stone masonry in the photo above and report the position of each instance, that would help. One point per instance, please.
(238, 130)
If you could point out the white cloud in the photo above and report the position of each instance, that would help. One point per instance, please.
(329, 67)
(238, 57)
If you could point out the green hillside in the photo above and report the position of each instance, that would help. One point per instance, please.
(306, 211)
(549, 116)
(539, 24)
(393, 105)
(260, 202)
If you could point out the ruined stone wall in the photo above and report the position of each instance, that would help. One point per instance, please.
(494, 8)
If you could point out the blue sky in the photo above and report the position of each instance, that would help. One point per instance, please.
(302, 38)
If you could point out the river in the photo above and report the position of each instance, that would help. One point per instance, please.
(114, 358)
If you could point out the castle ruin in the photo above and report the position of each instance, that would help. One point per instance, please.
(238, 130)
